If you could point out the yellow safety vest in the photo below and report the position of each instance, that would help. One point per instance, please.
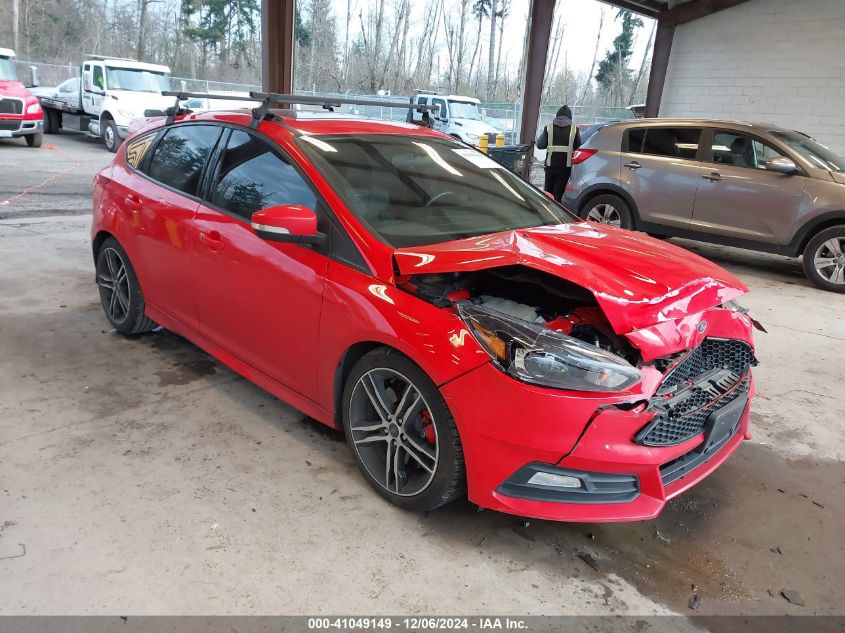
(551, 149)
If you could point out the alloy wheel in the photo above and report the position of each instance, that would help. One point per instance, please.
(829, 260)
(605, 214)
(113, 280)
(393, 432)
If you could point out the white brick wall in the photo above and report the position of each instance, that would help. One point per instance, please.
(776, 61)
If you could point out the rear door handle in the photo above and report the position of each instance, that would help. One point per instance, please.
(133, 201)
(212, 241)
(633, 165)
(712, 177)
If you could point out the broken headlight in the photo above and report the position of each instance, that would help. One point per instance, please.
(536, 354)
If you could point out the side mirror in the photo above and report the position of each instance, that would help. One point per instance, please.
(782, 165)
(286, 223)
(33, 77)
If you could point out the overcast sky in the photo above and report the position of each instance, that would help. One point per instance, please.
(581, 18)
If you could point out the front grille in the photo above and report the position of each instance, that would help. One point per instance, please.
(711, 376)
(10, 125)
(11, 106)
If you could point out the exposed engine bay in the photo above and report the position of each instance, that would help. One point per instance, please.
(528, 295)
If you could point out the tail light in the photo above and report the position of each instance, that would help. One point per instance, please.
(580, 155)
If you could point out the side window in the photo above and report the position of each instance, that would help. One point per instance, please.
(741, 150)
(252, 177)
(422, 100)
(99, 80)
(443, 113)
(137, 149)
(674, 142)
(179, 158)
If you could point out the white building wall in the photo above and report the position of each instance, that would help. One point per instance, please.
(775, 61)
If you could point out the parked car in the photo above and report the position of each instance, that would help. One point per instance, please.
(759, 187)
(20, 113)
(463, 330)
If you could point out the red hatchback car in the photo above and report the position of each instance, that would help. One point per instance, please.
(465, 332)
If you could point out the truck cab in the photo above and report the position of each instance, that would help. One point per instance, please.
(116, 91)
(109, 94)
(458, 116)
(20, 112)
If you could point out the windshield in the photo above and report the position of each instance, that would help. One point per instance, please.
(464, 110)
(812, 151)
(136, 80)
(421, 191)
(7, 70)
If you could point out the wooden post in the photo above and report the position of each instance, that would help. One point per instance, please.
(659, 62)
(277, 44)
(540, 18)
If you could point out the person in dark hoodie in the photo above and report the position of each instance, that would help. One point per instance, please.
(559, 138)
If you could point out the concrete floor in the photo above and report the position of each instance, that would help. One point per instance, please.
(140, 476)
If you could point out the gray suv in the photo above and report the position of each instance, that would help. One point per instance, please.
(752, 186)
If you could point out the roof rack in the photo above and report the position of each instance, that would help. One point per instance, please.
(266, 98)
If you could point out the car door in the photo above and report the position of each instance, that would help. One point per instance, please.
(259, 300)
(160, 202)
(660, 170)
(738, 197)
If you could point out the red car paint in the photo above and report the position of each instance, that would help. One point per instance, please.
(206, 275)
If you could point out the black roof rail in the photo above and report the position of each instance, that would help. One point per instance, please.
(329, 103)
(266, 98)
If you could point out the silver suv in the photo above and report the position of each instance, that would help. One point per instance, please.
(752, 186)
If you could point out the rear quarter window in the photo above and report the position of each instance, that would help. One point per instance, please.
(659, 141)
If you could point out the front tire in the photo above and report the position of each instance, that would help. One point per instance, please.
(120, 292)
(111, 139)
(609, 209)
(401, 432)
(51, 121)
(34, 140)
(824, 259)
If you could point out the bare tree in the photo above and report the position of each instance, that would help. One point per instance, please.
(595, 57)
(643, 63)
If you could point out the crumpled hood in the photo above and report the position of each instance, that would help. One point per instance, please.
(838, 177)
(638, 281)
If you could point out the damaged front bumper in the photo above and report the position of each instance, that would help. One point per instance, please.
(571, 456)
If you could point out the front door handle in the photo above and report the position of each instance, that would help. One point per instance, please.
(712, 177)
(633, 165)
(212, 241)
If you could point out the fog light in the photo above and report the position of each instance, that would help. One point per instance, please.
(555, 481)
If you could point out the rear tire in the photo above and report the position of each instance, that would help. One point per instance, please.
(824, 259)
(34, 140)
(609, 209)
(120, 292)
(408, 449)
